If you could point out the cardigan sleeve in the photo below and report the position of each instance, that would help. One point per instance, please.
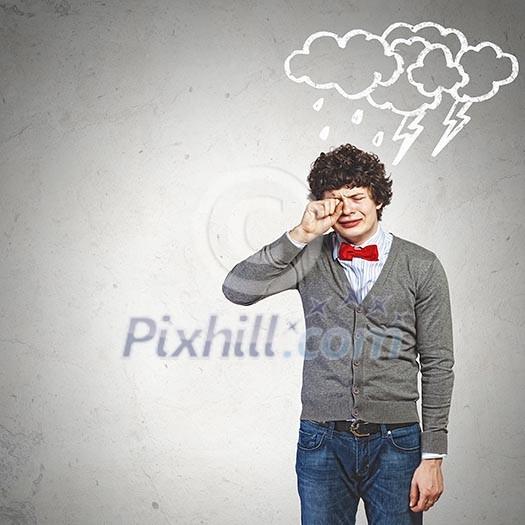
(436, 356)
(270, 270)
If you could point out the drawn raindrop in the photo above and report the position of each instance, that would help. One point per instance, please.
(357, 117)
(324, 133)
(378, 139)
(318, 104)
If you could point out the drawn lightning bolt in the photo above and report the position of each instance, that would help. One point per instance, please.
(455, 125)
(408, 137)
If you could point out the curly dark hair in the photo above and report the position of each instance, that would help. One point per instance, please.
(347, 164)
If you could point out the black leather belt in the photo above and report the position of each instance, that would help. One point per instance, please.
(362, 428)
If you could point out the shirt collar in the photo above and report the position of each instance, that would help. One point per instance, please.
(378, 238)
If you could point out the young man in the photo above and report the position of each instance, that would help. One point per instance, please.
(373, 303)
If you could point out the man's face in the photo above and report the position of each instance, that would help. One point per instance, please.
(358, 220)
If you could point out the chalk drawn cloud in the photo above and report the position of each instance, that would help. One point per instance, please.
(425, 72)
(330, 47)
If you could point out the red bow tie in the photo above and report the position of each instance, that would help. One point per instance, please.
(347, 252)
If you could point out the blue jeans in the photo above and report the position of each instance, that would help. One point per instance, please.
(335, 469)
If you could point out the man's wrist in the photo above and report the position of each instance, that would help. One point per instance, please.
(298, 235)
(294, 242)
(432, 464)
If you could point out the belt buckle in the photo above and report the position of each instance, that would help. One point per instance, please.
(354, 427)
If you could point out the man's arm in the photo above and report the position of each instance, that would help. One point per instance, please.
(282, 264)
(435, 347)
(270, 270)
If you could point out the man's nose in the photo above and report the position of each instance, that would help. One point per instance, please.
(348, 206)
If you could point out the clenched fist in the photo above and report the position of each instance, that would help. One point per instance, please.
(318, 218)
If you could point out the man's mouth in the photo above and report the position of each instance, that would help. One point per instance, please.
(350, 224)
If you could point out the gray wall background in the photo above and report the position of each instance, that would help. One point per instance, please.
(147, 146)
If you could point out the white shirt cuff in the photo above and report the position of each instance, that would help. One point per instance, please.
(297, 243)
(432, 455)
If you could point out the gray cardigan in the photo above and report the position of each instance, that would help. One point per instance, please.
(361, 359)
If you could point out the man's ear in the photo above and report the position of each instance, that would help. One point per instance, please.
(379, 205)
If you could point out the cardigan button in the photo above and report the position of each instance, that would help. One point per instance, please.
(359, 309)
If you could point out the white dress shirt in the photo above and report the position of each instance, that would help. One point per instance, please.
(361, 273)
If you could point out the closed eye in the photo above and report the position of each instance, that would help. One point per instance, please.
(355, 197)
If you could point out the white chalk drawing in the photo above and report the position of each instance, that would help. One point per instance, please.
(318, 104)
(357, 117)
(378, 138)
(422, 84)
(324, 133)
